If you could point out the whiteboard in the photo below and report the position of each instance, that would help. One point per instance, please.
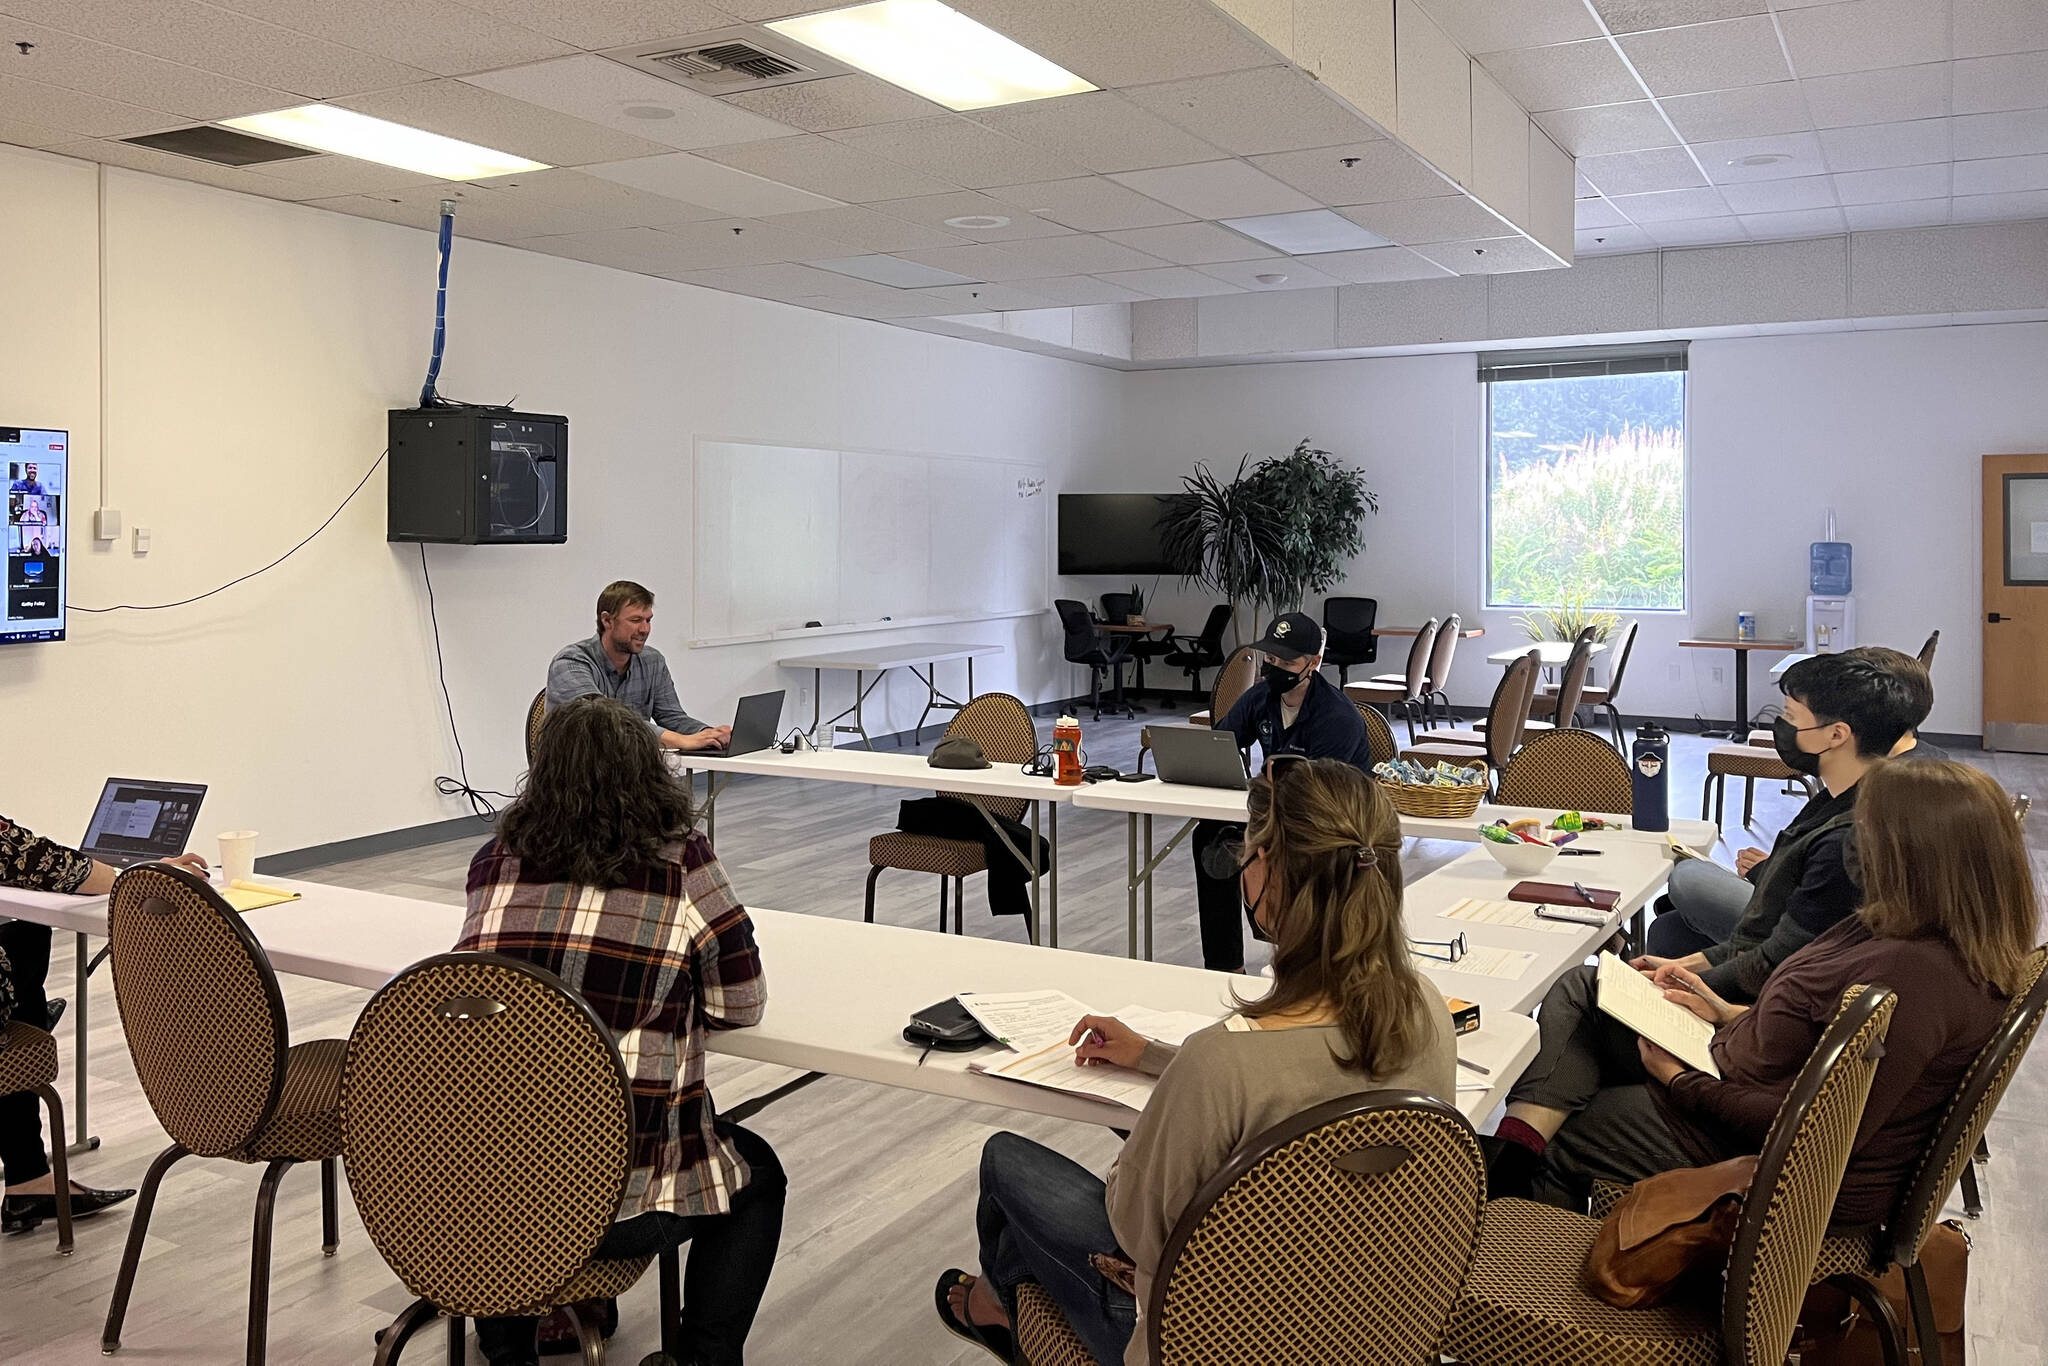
(791, 535)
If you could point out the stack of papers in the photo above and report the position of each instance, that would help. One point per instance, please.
(1506, 964)
(1035, 1026)
(1519, 915)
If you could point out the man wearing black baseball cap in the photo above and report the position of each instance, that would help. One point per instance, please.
(1292, 709)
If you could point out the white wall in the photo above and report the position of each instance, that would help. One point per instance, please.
(254, 347)
(1886, 427)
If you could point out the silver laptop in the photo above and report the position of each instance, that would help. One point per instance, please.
(753, 725)
(1199, 757)
(138, 820)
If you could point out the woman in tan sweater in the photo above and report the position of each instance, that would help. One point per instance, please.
(1347, 1012)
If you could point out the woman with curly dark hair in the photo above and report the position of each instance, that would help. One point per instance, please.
(598, 874)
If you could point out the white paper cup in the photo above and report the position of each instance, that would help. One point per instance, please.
(237, 856)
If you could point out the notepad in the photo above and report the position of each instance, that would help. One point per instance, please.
(1506, 964)
(1515, 914)
(248, 896)
(1053, 1067)
(1636, 1001)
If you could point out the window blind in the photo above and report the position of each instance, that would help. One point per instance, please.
(1574, 362)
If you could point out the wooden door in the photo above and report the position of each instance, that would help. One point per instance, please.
(2016, 603)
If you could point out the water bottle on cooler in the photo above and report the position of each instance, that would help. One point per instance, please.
(1649, 776)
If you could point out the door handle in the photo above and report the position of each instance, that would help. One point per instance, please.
(1995, 618)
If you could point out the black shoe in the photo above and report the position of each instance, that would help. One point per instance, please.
(22, 1213)
(57, 1004)
(1511, 1167)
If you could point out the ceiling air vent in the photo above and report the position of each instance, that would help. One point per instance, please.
(221, 146)
(729, 61)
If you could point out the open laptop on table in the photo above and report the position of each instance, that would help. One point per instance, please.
(1198, 757)
(753, 725)
(138, 820)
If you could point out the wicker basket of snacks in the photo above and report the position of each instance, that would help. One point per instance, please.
(1444, 792)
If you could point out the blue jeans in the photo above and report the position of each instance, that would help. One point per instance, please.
(1041, 1216)
(1707, 902)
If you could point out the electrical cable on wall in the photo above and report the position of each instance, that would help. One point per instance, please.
(430, 393)
(479, 799)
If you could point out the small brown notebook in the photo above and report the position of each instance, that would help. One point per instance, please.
(1563, 894)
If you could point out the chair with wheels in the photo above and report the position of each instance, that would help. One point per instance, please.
(1570, 770)
(28, 1062)
(1100, 653)
(1348, 640)
(536, 712)
(1341, 1235)
(1192, 654)
(488, 1126)
(1117, 610)
(206, 1028)
(1002, 726)
(1524, 1304)
(1403, 692)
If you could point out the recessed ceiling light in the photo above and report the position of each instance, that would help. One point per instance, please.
(649, 111)
(1303, 234)
(983, 221)
(1762, 159)
(935, 51)
(330, 128)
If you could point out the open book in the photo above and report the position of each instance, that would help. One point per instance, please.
(1639, 1003)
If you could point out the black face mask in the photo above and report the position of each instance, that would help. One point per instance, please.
(1251, 915)
(1785, 736)
(1278, 679)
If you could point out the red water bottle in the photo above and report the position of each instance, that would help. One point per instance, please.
(1066, 751)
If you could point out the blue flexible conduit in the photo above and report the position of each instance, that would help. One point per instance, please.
(428, 397)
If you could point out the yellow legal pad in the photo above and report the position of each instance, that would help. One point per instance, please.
(254, 896)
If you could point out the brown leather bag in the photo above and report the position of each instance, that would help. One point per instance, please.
(1833, 1332)
(1667, 1229)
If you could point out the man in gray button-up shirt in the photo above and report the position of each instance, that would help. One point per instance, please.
(618, 662)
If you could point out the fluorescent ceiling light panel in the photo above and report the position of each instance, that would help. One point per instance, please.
(1303, 234)
(935, 51)
(330, 128)
(889, 270)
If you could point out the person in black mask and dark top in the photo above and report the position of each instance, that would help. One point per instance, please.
(1292, 709)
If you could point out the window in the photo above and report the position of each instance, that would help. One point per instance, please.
(1585, 478)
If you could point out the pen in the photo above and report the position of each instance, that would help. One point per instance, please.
(1584, 895)
(1482, 1071)
(1581, 853)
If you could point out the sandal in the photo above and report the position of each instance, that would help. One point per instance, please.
(998, 1342)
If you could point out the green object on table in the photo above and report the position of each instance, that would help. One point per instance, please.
(1499, 834)
(1569, 820)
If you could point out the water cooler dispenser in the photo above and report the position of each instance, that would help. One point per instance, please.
(1830, 607)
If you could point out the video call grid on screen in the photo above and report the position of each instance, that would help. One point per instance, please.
(137, 819)
(34, 462)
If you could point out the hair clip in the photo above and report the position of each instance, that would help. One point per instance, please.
(1368, 857)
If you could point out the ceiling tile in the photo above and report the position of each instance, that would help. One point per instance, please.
(1271, 109)
(1609, 241)
(1917, 213)
(1780, 196)
(1377, 265)
(890, 271)
(1489, 26)
(1696, 232)
(1076, 291)
(1495, 256)
(1750, 111)
(1863, 35)
(479, 213)
(784, 280)
(901, 304)
(1632, 16)
(861, 227)
(1298, 273)
(701, 246)
(1987, 27)
(213, 39)
(1173, 282)
(458, 110)
(2020, 132)
(611, 23)
(1192, 244)
(1605, 128)
(1896, 94)
(1876, 145)
(1089, 204)
(1378, 173)
(1784, 156)
(1666, 168)
(71, 114)
(1413, 222)
(1125, 43)
(853, 101)
(1565, 76)
(629, 101)
(612, 203)
(694, 180)
(73, 63)
(1597, 213)
(1080, 254)
(1217, 189)
(2001, 175)
(1101, 131)
(1766, 227)
(1900, 184)
(975, 261)
(441, 36)
(958, 151)
(1993, 208)
(1669, 205)
(933, 210)
(635, 249)
(980, 297)
(1717, 56)
(1987, 84)
(819, 164)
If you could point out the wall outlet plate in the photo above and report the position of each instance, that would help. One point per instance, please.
(1719, 673)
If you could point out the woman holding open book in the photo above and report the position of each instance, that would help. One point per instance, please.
(1947, 921)
(1320, 876)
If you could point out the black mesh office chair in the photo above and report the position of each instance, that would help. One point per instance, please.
(1347, 634)
(1098, 653)
(1192, 654)
(1117, 610)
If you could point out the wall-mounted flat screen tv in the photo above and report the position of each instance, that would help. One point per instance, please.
(1114, 533)
(34, 463)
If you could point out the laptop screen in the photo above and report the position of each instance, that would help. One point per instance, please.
(138, 820)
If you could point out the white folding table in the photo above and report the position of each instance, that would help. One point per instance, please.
(878, 660)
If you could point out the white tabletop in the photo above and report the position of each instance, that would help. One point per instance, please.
(1551, 654)
(1778, 669)
(839, 991)
(878, 769)
(878, 657)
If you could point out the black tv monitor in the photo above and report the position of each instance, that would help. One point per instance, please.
(1114, 533)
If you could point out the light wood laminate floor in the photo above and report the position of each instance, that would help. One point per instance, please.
(882, 1182)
